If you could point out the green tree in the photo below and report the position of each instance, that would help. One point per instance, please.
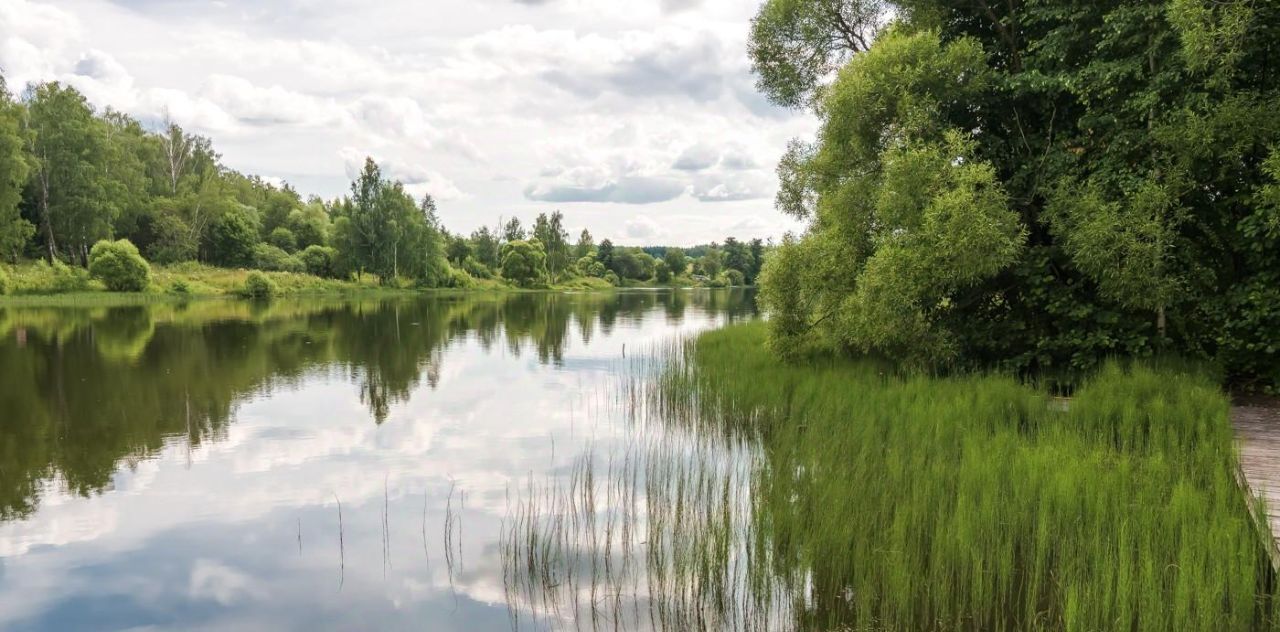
(585, 244)
(232, 238)
(675, 260)
(485, 245)
(661, 272)
(512, 230)
(737, 256)
(524, 262)
(796, 44)
(283, 239)
(605, 254)
(68, 152)
(550, 231)
(15, 231)
(458, 250)
(386, 233)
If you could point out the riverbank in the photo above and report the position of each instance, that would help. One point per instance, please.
(972, 503)
(43, 285)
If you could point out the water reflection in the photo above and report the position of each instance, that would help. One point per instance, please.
(181, 466)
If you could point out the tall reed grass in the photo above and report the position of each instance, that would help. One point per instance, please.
(839, 495)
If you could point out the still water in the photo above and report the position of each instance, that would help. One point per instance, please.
(302, 465)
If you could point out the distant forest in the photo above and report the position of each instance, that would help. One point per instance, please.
(71, 177)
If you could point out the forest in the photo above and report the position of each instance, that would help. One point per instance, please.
(1029, 185)
(97, 197)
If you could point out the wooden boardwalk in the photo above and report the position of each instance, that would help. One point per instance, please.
(1257, 425)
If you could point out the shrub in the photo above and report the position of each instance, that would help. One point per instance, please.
(258, 285)
(273, 259)
(459, 278)
(180, 287)
(476, 269)
(320, 261)
(4, 282)
(612, 278)
(119, 266)
(283, 239)
(734, 277)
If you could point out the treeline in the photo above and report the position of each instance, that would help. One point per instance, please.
(71, 177)
(1030, 185)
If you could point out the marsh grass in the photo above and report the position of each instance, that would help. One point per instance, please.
(838, 495)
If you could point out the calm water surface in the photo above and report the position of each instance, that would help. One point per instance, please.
(314, 464)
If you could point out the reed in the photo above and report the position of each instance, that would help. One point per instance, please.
(842, 495)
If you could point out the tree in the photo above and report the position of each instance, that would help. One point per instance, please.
(585, 244)
(713, 262)
(1130, 140)
(605, 254)
(485, 245)
(524, 262)
(310, 225)
(757, 261)
(68, 156)
(283, 239)
(458, 250)
(550, 231)
(675, 260)
(737, 256)
(386, 233)
(14, 230)
(662, 272)
(796, 44)
(232, 238)
(513, 231)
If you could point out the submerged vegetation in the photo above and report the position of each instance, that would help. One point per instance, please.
(842, 495)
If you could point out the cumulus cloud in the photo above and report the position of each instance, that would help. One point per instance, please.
(625, 190)
(643, 227)
(696, 158)
(416, 178)
(654, 100)
(732, 187)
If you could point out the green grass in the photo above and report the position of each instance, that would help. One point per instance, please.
(891, 502)
(39, 284)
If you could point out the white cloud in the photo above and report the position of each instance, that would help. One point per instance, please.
(643, 227)
(501, 107)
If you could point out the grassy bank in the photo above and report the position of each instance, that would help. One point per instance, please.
(973, 503)
(39, 284)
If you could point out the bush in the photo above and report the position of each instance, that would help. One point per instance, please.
(612, 278)
(258, 285)
(4, 282)
(734, 277)
(180, 287)
(320, 261)
(119, 266)
(476, 269)
(273, 259)
(459, 279)
(283, 239)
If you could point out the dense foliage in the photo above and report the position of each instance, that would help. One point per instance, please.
(119, 266)
(1031, 184)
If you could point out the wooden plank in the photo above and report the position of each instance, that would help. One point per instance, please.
(1257, 429)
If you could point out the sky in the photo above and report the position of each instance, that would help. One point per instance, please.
(638, 119)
